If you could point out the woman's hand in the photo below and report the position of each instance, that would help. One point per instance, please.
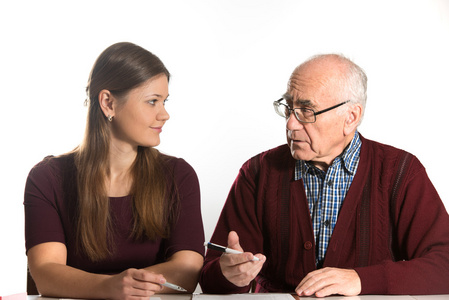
(133, 284)
(47, 263)
(182, 268)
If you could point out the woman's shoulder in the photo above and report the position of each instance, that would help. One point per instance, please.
(48, 178)
(176, 164)
(53, 166)
(179, 170)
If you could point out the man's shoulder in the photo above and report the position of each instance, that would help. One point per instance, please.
(278, 157)
(387, 156)
(381, 149)
(278, 154)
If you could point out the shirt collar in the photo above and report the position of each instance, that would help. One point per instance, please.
(348, 158)
(351, 154)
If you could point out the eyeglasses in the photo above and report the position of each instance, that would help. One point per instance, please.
(304, 115)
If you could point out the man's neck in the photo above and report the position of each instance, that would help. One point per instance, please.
(325, 164)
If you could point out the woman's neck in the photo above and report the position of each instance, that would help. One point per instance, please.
(119, 181)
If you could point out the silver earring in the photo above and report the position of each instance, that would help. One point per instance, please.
(110, 118)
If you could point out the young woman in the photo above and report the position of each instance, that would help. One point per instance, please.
(115, 218)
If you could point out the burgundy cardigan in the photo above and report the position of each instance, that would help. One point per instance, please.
(393, 228)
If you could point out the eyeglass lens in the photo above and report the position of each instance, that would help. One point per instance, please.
(302, 114)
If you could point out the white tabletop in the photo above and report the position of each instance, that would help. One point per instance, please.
(363, 297)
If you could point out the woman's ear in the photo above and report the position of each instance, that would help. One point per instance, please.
(106, 101)
(353, 119)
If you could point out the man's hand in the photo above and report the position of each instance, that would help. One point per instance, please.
(239, 268)
(330, 281)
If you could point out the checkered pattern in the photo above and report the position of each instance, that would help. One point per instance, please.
(326, 191)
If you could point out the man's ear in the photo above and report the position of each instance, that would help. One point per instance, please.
(353, 118)
(106, 102)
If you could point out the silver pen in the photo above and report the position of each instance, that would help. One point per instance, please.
(174, 286)
(225, 250)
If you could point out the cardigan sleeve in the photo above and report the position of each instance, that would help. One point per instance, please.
(421, 232)
(239, 214)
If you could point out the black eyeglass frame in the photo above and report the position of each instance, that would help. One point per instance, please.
(278, 103)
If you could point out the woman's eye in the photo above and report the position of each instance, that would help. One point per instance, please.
(153, 102)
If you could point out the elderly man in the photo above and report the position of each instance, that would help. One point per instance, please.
(330, 212)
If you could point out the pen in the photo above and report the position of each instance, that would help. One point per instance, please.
(173, 286)
(216, 247)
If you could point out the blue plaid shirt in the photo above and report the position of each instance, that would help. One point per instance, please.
(326, 191)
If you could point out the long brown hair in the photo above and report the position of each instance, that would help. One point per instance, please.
(119, 68)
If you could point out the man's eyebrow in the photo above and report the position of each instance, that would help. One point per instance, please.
(303, 102)
(297, 102)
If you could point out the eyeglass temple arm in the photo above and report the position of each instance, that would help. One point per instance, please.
(330, 108)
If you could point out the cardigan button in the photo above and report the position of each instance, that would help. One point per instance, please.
(308, 245)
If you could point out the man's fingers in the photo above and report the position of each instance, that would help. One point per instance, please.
(327, 291)
(236, 259)
(240, 269)
(242, 274)
(329, 281)
(307, 282)
(233, 241)
(308, 286)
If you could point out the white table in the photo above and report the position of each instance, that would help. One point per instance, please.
(363, 297)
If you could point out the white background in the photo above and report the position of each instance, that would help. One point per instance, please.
(229, 60)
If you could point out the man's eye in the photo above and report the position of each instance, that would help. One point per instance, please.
(152, 102)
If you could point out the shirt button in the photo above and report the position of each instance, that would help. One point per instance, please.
(330, 182)
(327, 223)
(308, 245)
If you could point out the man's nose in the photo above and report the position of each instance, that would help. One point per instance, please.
(293, 123)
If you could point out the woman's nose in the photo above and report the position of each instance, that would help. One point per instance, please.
(163, 114)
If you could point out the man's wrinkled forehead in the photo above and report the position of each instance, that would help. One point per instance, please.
(295, 85)
(301, 86)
